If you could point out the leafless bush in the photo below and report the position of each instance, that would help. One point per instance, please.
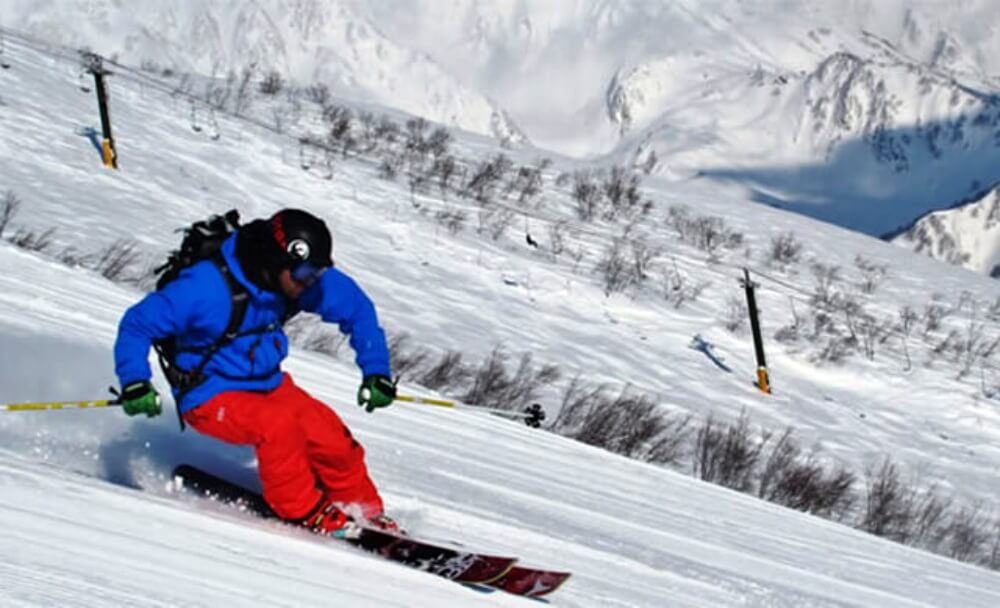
(495, 221)
(444, 169)
(735, 317)
(309, 333)
(243, 99)
(907, 321)
(678, 288)
(31, 240)
(825, 293)
(669, 446)
(390, 166)
(872, 274)
(967, 533)
(587, 194)
(706, 232)
(617, 271)
(319, 94)
(630, 424)
(272, 83)
(793, 331)
(557, 237)
(895, 511)
(486, 177)
(452, 219)
(116, 260)
(872, 332)
(406, 358)
(727, 454)
(449, 371)
(493, 384)
(836, 348)
(9, 207)
(933, 317)
(785, 250)
(622, 194)
(800, 481)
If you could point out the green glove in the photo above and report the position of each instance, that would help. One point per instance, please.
(375, 392)
(140, 398)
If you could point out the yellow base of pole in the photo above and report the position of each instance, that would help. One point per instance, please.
(108, 152)
(763, 382)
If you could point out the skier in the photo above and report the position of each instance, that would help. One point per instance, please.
(311, 469)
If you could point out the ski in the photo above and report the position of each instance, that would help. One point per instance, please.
(530, 582)
(451, 563)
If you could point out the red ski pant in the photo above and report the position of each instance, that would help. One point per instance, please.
(304, 451)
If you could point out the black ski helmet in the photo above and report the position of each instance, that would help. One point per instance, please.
(289, 239)
(303, 238)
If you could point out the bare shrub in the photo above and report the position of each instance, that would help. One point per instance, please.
(706, 232)
(486, 177)
(319, 94)
(406, 358)
(967, 534)
(736, 315)
(896, 510)
(793, 331)
(307, 332)
(933, 317)
(493, 384)
(617, 271)
(825, 293)
(9, 206)
(444, 169)
(907, 321)
(630, 423)
(785, 249)
(669, 446)
(271, 84)
(872, 274)
(452, 219)
(800, 481)
(621, 191)
(678, 288)
(31, 240)
(449, 371)
(116, 260)
(727, 454)
(587, 194)
(495, 221)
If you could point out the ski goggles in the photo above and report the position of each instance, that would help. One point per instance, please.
(307, 273)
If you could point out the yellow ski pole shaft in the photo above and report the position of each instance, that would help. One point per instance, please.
(460, 406)
(56, 405)
(426, 401)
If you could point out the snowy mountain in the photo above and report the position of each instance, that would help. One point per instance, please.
(868, 115)
(966, 236)
(874, 351)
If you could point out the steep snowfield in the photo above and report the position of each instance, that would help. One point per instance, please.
(77, 530)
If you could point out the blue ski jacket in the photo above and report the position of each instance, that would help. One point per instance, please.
(195, 309)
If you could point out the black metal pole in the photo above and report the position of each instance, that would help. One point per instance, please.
(108, 152)
(763, 381)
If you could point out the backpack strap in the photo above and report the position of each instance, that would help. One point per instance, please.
(167, 351)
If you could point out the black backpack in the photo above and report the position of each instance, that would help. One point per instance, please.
(201, 241)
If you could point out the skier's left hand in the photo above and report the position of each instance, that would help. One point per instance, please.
(376, 391)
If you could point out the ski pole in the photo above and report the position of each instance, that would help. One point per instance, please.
(57, 405)
(530, 416)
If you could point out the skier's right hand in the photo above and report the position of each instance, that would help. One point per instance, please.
(140, 398)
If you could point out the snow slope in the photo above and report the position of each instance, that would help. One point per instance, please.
(76, 530)
(865, 114)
